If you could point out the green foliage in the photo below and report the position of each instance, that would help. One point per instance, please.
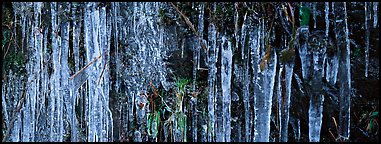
(153, 121)
(304, 16)
(374, 114)
(357, 52)
(181, 84)
(372, 120)
(181, 123)
(4, 40)
(180, 92)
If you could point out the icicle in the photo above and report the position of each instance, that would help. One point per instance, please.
(5, 91)
(115, 16)
(284, 102)
(194, 98)
(62, 59)
(226, 74)
(375, 14)
(220, 135)
(91, 53)
(218, 97)
(131, 110)
(96, 90)
(304, 50)
(76, 33)
(344, 71)
(10, 85)
(203, 132)
(17, 129)
(326, 17)
(200, 32)
(262, 37)
(367, 34)
(332, 67)
(331, 61)
(161, 55)
(43, 136)
(298, 130)
(239, 130)
(74, 92)
(314, 13)
(87, 103)
(38, 99)
(104, 80)
(4, 107)
(110, 123)
(23, 28)
(56, 134)
(196, 66)
(194, 119)
(255, 45)
(211, 81)
(137, 136)
(263, 86)
(263, 100)
(246, 80)
(64, 72)
(32, 66)
(182, 48)
(279, 92)
(316, 42)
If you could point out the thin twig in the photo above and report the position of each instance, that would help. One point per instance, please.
(154, 90)
(190, 25)
(292, 14)
(203, 69)
(375, 120)
(103, 70)
(333, 136)
(337, 128)
(85, 67)
(8, 46)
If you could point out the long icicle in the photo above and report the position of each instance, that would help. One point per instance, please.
(263, 89)
(226, 74)
(344, 73)
(315, 112)
(211, 80)
(368, 15)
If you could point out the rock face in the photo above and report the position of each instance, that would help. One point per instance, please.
(190, 72)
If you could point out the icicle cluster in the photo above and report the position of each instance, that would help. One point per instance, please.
(101, 72)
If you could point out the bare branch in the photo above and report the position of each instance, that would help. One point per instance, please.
(85, 67)
(100, 77)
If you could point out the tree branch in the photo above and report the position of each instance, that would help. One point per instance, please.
(85, 67)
